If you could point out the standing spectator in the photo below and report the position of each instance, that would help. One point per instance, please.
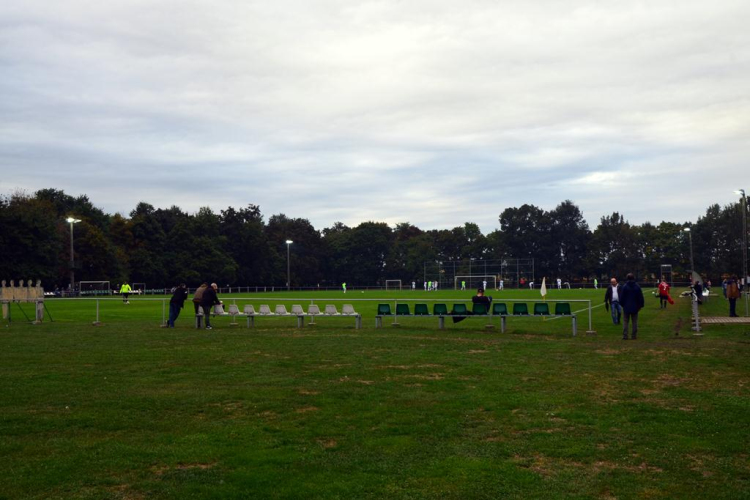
(197, 300)
(413, 285)
(343, 286)
(125, 292)
(663, 290)
(463, 284)
(612, 300)
(698, 292)
(596, 284)
(484, 285)
(208, 300)
(724, 287)
(502, 284)
(177, 302)
(559, 283)
(425, 286)
(733, 293)
(631, 299)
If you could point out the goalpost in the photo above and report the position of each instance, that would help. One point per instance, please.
(94, 287)
(475, 281)
(392, 284)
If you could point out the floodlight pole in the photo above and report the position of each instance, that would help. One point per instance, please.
(288, 268)
(692, 266)
(72, 221)
(744, 246)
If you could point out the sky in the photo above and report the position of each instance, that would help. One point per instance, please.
(432, 112)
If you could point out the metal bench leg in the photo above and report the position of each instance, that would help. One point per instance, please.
(300, 322)
(358, 322)
(502, 324)
(441, 322)
(575, 326)
(378, 322)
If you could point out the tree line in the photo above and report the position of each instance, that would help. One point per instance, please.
(238, 247)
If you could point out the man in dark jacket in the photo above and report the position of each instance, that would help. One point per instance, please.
(197, 300)
(208, 300)
(612, 299)
(177, 302)
(733, 293)
(631, 300)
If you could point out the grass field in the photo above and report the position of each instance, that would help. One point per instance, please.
(130, 410)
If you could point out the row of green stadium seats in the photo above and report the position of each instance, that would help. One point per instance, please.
(498, 309)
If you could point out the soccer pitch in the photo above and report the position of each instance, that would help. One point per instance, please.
(131, 410)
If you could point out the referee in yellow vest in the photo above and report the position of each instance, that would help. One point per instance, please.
(125, 292)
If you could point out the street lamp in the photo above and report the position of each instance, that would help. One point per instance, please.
(692, 266)
(72, 221)
(744, 244)
(288, 269)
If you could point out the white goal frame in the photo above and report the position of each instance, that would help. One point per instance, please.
(94, 291)
(392, 281)
(491, 281)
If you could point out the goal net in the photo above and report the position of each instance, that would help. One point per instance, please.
(94, 287)
(475, 281)
(393, 284)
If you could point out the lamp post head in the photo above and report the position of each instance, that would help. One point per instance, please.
(289, 242)
(72, 220)
(687, 229)
(740, 192)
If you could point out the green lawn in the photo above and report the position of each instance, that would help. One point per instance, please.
(129, 410)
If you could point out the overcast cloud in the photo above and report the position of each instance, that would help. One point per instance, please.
(431, 112)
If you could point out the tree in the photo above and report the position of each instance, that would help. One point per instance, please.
(306, 253)
(528, 234)
(614, 248)
(31, 240)
(368, 246)
(569, 238)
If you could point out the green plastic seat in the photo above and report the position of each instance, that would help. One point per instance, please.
(500, 309)
(421, 310)
(479, 309)
(541, 309)
(562, 309)
(439, 309)
(520, 309)
(459, 310)
(402, 310)
(384, 309)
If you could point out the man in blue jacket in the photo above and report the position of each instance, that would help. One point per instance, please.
(631, 300)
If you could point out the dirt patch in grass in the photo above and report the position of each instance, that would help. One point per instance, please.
(163, 469)
(667, 380)
(306, 392)
(428, 376)
(122, 492)
(327, 444)
(229, 406)
(609, 352)
(477, 351)
(306, 409)
(549, 466)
